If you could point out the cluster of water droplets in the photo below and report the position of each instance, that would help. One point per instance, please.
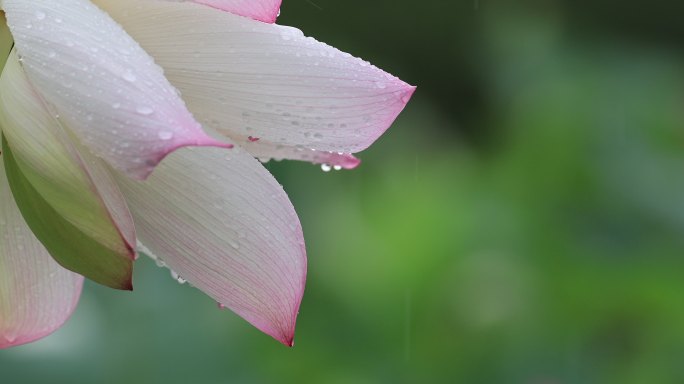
(160, 263)
(102, 82)
(327, 167)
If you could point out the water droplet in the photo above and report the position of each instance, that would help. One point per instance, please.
(165, 135)
(337, 167)
(177, 277)
(326, 167)
(129, 76)
(144, 110)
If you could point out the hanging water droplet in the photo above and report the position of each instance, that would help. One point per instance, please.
(326, 167)
(337, 167)
(177, 277)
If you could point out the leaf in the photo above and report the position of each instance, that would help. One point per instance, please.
(70, 247)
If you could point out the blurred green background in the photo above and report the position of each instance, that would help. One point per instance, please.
(521, 222)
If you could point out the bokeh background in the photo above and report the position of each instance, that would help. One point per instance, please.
(522, 221)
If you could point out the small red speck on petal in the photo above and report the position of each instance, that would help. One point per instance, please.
(253, 139)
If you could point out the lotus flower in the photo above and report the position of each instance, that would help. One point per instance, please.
(95, 94)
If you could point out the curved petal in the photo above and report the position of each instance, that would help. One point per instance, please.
(249, 79)
(262, 10)
(78, 188)
(101, 84)
(227, 227)
(36, 295)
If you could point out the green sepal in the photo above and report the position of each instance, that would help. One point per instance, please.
(69, 246)
(6, 41)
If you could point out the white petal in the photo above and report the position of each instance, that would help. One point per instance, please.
(104, 87)
(227, 227)
(250, 79)
(36, 294)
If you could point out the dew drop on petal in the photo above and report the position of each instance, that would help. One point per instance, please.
(129, 76)
(326, 167)
(144, 110)
(165, 135)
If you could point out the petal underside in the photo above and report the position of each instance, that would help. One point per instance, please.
(267, 87)
(227, 227)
